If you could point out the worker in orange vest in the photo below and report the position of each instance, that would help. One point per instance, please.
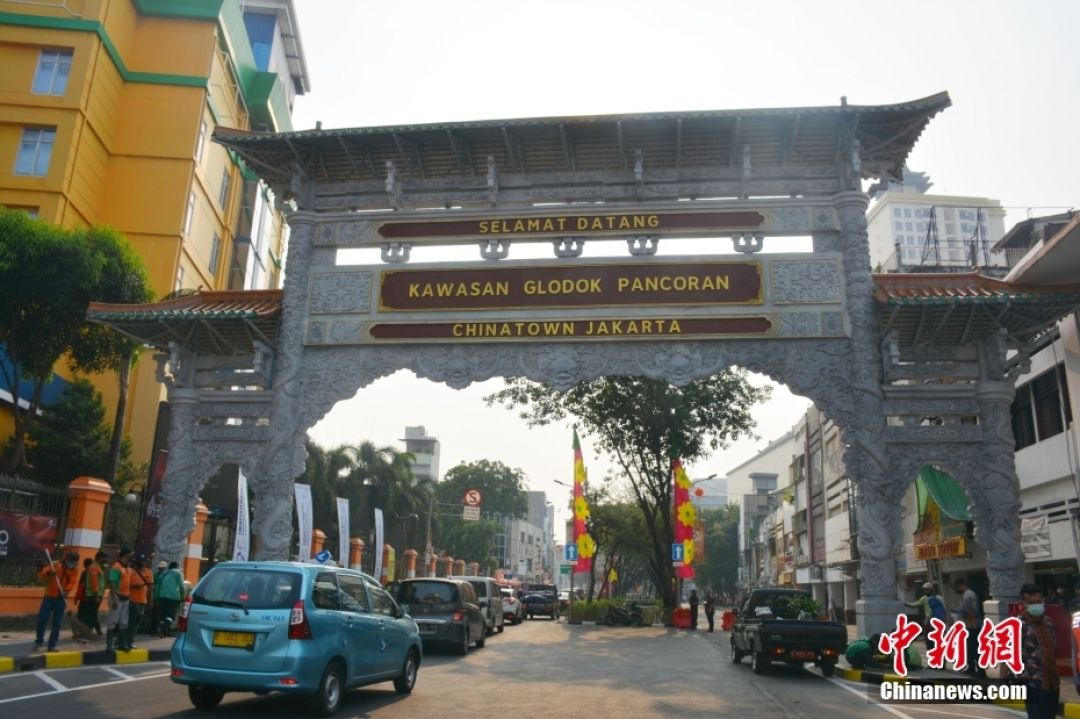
(59, 579)
(142, 582)
(116, 623)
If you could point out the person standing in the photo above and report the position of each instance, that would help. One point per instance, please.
(1037, 651)
(116, 622)
(142, 581)
(91, 590)
(169, 592)
(59, 579)
(694, 602)
(710, 609)
(970, 613)
(155, 610)
(932, 606)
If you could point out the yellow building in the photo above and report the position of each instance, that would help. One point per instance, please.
(106, 110)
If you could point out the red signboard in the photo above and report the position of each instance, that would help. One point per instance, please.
(26, 536)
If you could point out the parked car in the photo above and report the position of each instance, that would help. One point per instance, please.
(513, 609)
(564, 600)
(541, 603)
(293, 628)
(447, 612)
(768, 627)
(490, 600)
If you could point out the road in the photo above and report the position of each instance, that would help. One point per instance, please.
(540, 669)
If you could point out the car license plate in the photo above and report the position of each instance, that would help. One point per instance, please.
(241, 640)
(426, 628)
(802, 654)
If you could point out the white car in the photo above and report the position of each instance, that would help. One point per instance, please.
(513, 609)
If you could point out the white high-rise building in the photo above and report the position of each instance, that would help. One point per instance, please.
(425, 452)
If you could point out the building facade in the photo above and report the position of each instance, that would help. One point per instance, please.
(106, 114)
(425, 451)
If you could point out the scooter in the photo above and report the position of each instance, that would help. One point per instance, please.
(628, 616)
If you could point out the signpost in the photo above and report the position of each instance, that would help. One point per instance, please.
(473, 499)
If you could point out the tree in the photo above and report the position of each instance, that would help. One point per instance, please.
(503, 495)
(644, 424)
(720, 568)
(47, 277)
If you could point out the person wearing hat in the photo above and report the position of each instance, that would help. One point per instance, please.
(116, 622)
(932, 606)
(59, 579)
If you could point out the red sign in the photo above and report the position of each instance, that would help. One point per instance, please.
(144, 543)
(473, 497)
(26, 536)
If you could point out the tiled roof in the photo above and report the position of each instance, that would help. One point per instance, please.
(947, 288)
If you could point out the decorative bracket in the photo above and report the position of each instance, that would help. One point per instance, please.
(395, 252)
(748, 244)
(492, 181)
(747, 170)
(856, 159)
(639, 174)
(393, 185)
(494, 249)
(643, 245)
(161, 374)
(566, 247)
(890, 352)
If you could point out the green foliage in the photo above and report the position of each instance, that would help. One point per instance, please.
(503, 488)
(471, 541)
(804, 603)
(70, 440)
(643, 424)
(720, 568)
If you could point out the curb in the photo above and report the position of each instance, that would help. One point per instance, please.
(67, 660)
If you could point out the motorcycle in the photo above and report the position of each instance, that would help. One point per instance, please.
(627, 616)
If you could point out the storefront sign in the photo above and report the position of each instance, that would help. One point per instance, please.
(576, 329)
(1035, 537)
(26, 536)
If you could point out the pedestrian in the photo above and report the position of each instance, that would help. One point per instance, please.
(693, 608)
(170, 591)
(116, 622)
(1057, 597)
(710, 609)
(54, 603)
(142, 581)
(89, 594)
(155, 610)
(1037, 652)
(932, 606)
(970, 613)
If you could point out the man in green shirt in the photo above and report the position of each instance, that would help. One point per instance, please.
(116, 622)
(169, 591)
(863, 654)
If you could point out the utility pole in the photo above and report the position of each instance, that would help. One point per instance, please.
(427, 546)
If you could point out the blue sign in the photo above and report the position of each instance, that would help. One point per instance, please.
(570, 553)
(323, 557)
(677, 550)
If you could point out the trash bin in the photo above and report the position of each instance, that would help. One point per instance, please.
(681, 618)
(727, 621)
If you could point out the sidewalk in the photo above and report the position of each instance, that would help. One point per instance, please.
(17, 652)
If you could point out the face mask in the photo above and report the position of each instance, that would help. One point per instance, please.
(1035, 610)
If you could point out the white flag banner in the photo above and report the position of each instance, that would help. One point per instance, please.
(242, 544)
(303, 519)
(343, 531)
(378, 544)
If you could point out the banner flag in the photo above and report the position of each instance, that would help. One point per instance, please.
(343, 531)
(304, 519)
(152, 506)
(378, 544)
(585, 544)
(685, 519)
(242, 544)
(26, 536)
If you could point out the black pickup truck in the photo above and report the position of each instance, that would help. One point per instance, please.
(769, 626)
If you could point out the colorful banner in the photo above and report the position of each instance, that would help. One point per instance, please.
(378, 543)
(343, 531)
(242, 543)
(26, 536)
(304, 519)
(685, 520)
(585, 544)
(152, 507)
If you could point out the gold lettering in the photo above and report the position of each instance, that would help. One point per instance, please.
(654, 221)
(589, 329)
(602, 328)
(622, 283)
(631, 327)
(594, 285)
(504, 331)
(482, 226)
(414, 290)
(456, 330)
(674, 328)
(519, 226)
(680, 283)
(534, 329)
(692, 282)
(568, 328)
(616, 327)
(470, 330)
(624, 223)
(562, 223)
(646, 327)
(533, 225)
(665, 283)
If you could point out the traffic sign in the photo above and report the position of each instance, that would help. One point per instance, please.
(570, 553)
(470, 513)
(564, 568)
(473, 497)
(677, 552)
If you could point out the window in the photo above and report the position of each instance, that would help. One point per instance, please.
(1041, 408)
(353, 595)
(200, 142)
(262, 589)
(53, 69)
(189, 213)
(897, 212)
(35, 151)
(215, 254)
(909, 227)
(381, 603)
(324, 594)
(223, 195)
(907, 212)
(899, 225)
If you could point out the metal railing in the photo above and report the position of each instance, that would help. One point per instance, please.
(26, 497)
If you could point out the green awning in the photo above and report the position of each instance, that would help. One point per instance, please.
(949, 496)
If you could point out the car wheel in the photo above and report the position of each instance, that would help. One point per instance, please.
(407, 679)
(828, 669)
(328, 695)
(463, 647)
(204, 698)
(481, 641)
(736, 655)
(760, 663)
(501, 626)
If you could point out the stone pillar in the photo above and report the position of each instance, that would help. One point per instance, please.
(193, 560)
(183, 480)
(388, 572)
(356, 553)
(432, 564)
(474, 569)
(410, 563)
(879, 494)
(87, 500)
(459, 566)
(318, 539)
(447, 567)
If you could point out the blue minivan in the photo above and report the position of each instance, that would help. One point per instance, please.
(295, 628)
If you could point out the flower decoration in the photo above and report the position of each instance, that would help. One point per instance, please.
(688, 551)
(687, 514)
(581, 509)
(682, 480)
(586, 547)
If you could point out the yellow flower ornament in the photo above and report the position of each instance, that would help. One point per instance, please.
(688, 551)
(687, 514)
(586, 547)
(581, 509)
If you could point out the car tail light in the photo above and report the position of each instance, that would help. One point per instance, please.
(288, 681)
(181, 619)
(176, 673)
(829, 652)
(779, 651)
(458, 616)
(298, 623)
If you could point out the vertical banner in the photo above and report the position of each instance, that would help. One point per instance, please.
(303, 519)
(152, 504)
(242, 543)
(378, 544)
(343, 531)
(685, 520)
(586, 547)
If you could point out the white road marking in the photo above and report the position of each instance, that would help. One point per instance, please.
(50, 681)
(118, 673)
(65, 690)
(953, 712)
(856, 692)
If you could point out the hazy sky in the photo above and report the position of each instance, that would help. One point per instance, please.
(1011, 68)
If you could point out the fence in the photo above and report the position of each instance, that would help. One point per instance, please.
(24, 496)
(122, 520)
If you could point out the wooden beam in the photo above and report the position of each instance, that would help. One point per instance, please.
(567, 147)
(678, 142)
(733, 139)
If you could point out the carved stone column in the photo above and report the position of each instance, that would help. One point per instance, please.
(284, 457)
(183, 478)
(877, 504)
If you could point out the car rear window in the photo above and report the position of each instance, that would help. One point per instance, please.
(427, 593)
(249, 588)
